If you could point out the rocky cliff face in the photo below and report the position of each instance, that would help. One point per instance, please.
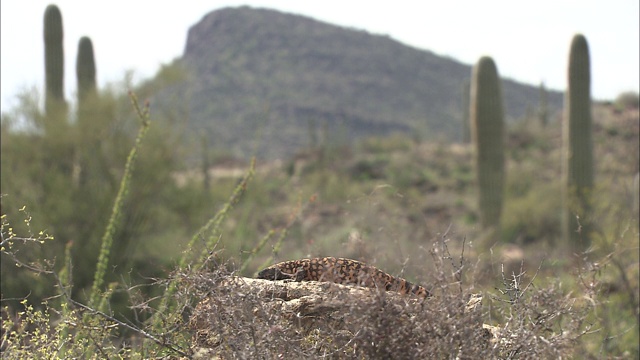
(262, 74)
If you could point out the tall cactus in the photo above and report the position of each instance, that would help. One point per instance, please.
(53, 62)
(85, 70)
(543, 106)
(577, 147)
(87, 91)
(487, 126)
(466, 131)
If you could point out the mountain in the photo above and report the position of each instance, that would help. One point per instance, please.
(266, 82)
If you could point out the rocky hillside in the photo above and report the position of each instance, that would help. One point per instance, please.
(269, 82)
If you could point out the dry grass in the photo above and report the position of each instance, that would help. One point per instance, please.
(237, 319)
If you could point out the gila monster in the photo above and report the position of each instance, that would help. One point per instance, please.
(340, 271)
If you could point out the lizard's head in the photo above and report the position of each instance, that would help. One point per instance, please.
(268, 274)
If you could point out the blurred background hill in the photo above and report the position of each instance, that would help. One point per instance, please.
(259, 81)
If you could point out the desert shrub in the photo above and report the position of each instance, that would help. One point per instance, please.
(627, 100)
(534, 321)
(533, 217)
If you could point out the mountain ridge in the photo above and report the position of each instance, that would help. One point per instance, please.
(262, 75)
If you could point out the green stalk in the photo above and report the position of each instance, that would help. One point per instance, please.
(114, 219)
(212, 227)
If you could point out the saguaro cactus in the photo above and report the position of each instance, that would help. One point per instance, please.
(466, 126)
(53, 61)
(543, 105)
(487, 125)
(87, 91)
(577, 147)
(85, 69)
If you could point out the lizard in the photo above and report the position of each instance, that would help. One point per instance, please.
(341, 271)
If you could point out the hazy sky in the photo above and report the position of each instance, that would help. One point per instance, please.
(528, 40)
